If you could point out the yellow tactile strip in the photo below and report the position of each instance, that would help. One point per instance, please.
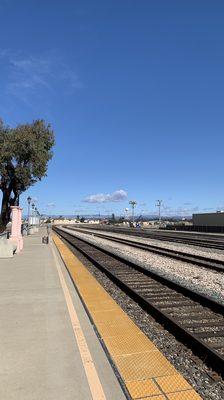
(146, 373)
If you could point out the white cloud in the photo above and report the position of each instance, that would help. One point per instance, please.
(118, 195)
(181, 211)
(186, 210)
(31, 75)
(50, 205)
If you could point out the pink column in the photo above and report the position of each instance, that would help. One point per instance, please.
(16, 227)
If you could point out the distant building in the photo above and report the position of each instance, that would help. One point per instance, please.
(209, 219)
(64, 221)
(71, 221)
(34, 220)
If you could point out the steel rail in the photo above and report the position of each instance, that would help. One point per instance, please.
(206, 262)
(216, 243)
(187, 314)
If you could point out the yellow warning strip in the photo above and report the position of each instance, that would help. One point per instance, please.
(146, 373)
(88, 364)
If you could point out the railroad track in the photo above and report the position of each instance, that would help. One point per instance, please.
(206, 262)
(193, 318)
(214, 242)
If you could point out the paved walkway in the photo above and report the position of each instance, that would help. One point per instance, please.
(147, 374)
(40, 357)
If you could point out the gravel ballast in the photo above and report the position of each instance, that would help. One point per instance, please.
(189, 249)
(202, 280)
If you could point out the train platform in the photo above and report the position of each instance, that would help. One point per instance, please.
(143, 370)
(64, 337)
(49, 348)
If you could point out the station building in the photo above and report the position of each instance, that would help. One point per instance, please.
(215, 219)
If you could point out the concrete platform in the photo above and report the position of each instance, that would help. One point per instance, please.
(40, 356)
(146, 373)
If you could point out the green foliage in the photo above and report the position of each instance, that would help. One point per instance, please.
(24, 155)
(112, 220)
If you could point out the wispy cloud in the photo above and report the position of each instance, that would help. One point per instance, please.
(118, 195)
(220, 206)
(181, 211)
(51, 205)
(28, 76)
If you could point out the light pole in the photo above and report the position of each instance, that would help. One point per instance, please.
(126, 212)
(133, 203)
(33, 207)
(29, 202)
(36, 213)
(158, 204)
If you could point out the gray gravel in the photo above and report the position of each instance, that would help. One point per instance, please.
(190, 249)
(191, 367)
(202, 280)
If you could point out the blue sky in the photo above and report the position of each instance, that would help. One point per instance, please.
(135, 94)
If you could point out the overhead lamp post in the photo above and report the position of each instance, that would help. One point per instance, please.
(158, 204)
(37, 216)
(133, 203)
(33, 212)
(29, 202)
(126, 212)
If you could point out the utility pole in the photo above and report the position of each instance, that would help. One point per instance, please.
(126, 213)
(158, 204)
(133, 203)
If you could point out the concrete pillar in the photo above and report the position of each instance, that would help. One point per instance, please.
(16, 236)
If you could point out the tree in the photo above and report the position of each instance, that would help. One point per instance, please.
(24, 155)
(112, 220)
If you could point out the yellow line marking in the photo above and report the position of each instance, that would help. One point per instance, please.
(137, 359)
(88, 364)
